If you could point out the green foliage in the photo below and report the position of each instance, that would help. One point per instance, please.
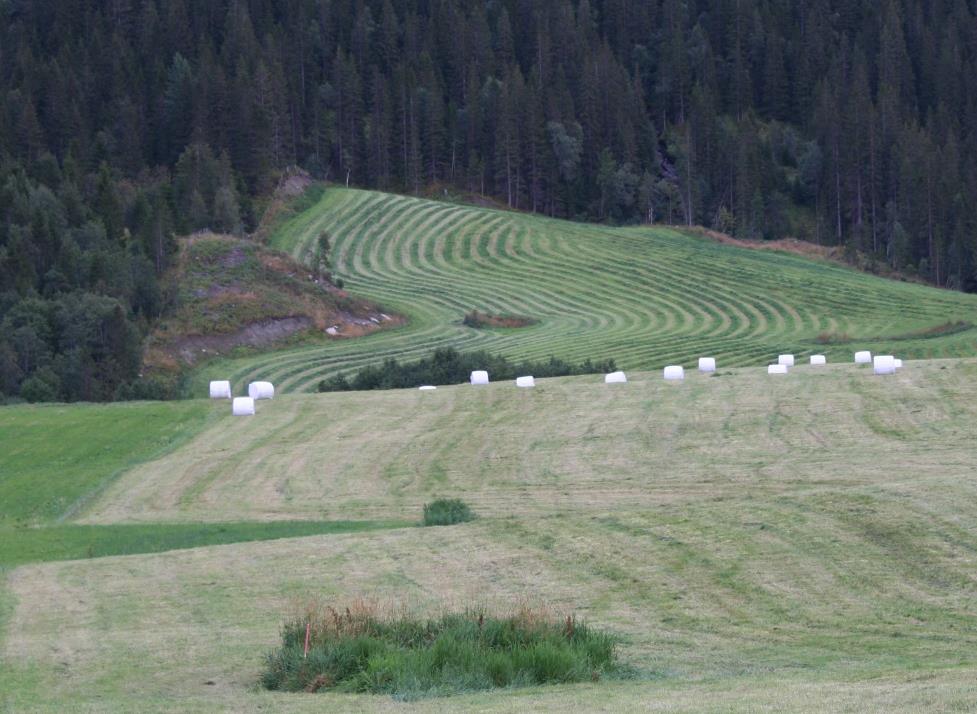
(363, 650)
(446, 512)
(448, 366)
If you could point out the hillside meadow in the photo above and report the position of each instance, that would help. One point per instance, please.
(760, 544)
(643, 296)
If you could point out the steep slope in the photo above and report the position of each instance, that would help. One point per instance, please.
(230, 293)
(643, 296)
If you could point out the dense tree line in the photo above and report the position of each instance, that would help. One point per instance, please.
(123, 122)
(448, 366)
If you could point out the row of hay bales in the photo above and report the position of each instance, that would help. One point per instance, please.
(882, 365)
(242, 406)
(245, 406)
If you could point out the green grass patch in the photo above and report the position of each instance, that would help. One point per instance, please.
(75, 542)
(447, 512)
(362, 649)
(55, 457)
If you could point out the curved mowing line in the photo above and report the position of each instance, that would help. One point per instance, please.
(643, 296)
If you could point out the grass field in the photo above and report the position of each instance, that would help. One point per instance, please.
(805, 543)
(56, 457)
(643, 296)
(56, 460)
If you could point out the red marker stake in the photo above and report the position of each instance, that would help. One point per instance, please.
(308, 633)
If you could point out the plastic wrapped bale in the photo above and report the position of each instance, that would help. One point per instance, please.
(242, 406)
(261, 390)
(427, 388)
(479, 376)
(220, 390)
(785, 361)
(615, 378)
(707, 364)
(818, 360)
(674, 373)
(777, 369)
(863, 357)
(898, 363)
(884, 364)
(525, 381)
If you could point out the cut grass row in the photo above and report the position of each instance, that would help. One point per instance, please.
(645, 297)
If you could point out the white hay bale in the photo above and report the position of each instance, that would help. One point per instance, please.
(615, 378)
(863, 357)
(674, 373)
(884, 364)
(785, 361)
(261, 390)
(525, 382)
(898, 363)
(707, 364)
(479, 376)
(818, 360)
(427, 388)
(242, 406)
(220, 389)
(777, 369)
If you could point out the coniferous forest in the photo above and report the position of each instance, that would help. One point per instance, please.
(124, 123)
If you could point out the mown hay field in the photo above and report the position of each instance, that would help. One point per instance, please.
(805, 543)
(646, 297)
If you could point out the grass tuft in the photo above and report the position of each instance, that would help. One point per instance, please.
(363, 648)
(447, 512)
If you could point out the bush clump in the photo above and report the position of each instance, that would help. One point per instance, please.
(448, 366)
(447, 512)
(481, 320)
(360, 649)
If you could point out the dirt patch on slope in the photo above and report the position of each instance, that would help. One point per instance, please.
(229, 293)
(260, 334)
(785, 245)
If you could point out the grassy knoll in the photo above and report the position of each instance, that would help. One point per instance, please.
(804, 543)
(643, 296)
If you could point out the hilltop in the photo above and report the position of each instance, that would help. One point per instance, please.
(643, 296)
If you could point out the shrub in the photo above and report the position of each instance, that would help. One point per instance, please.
(480, 320)
(361, 649)
(447, 512)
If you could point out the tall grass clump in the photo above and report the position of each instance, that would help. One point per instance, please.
(363, 649)
(447, 512)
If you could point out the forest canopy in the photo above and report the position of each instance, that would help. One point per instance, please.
(126, 122)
